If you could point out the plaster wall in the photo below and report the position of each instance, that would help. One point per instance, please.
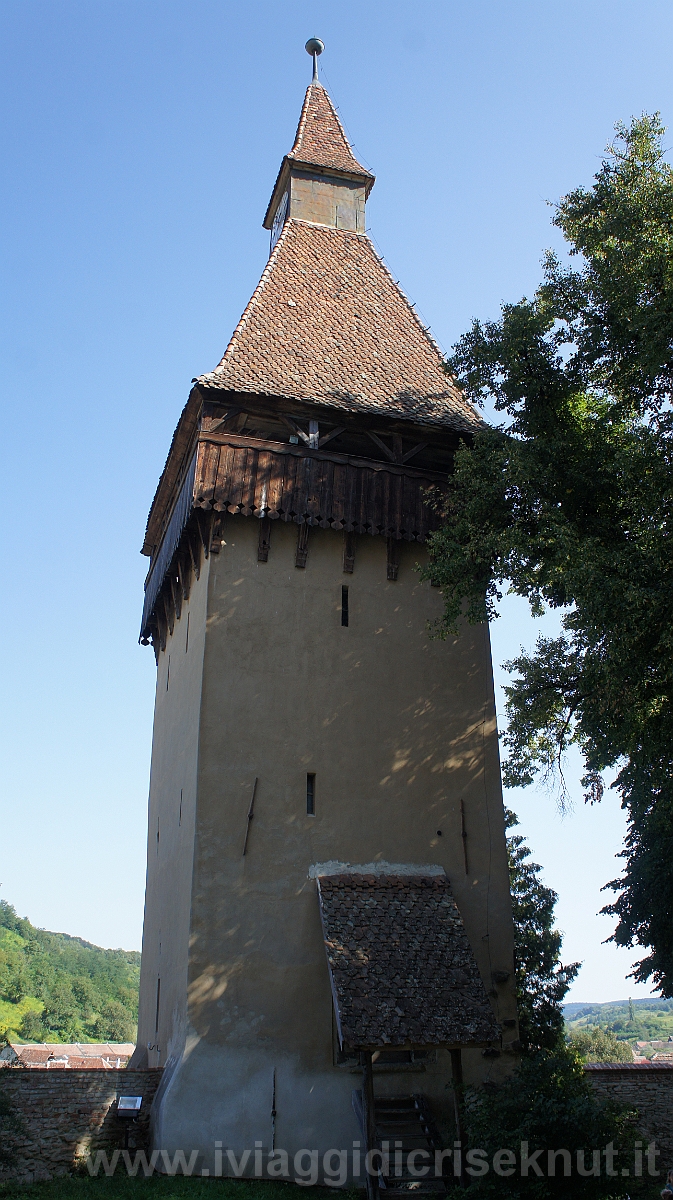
(171, 831)
(339, 204)
(398, 729)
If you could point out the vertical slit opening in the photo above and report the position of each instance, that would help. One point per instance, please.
(156, 1020)
(344, 605)
(310, 795)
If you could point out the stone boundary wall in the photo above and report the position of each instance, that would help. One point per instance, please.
(646, 1088)
(68, 1114)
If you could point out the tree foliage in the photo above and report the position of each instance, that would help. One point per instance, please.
(600, 1045)
(549, 1104)
(57, 988)
(541, 980)
(570, 503)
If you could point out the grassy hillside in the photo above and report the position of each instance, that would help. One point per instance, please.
(57, 988)
(631, 1021)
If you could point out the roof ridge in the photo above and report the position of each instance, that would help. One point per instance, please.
(247, 311)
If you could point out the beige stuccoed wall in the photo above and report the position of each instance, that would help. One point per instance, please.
(397, 728)
(171, 812)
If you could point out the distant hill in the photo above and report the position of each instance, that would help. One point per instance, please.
(629, 1020)
(57, 988)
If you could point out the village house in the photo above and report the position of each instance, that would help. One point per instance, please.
(81, 1055)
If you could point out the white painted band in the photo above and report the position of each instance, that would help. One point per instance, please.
(375, 868)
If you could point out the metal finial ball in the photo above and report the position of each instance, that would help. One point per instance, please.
(314, 46)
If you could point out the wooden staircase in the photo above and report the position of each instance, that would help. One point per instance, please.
(403, 1124)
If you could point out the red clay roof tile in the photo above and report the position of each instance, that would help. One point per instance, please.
(327, 323)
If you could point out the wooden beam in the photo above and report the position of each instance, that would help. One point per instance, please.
(176, 593)
(184, 571)
(168, 608)
(292, 424)
(327, 437)
(381, 445)
(216, 531)
(228, 416)
(204, 521)
(194, 548)
(416, 450)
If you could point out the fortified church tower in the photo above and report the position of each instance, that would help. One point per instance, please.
(327, 881)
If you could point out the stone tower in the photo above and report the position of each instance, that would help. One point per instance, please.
(327, 882)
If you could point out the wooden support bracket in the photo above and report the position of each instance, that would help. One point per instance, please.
(327, 437)
(410, 453)
(389, 454)
(216, 531)
(349, 552)
(393, 552)
(228, 416)
(264, 542)
(292, 424)
(194, 548)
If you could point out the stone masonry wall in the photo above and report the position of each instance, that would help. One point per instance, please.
(647, 1089)
(68, 1114)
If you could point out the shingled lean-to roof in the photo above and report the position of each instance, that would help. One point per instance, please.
(402, 969)
(327, 323)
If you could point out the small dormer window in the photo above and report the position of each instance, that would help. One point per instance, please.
(279, 220)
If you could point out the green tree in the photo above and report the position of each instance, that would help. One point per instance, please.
(82, 993)
(600, 1045)
(548, 1102)
(570, 503)
(542, 981)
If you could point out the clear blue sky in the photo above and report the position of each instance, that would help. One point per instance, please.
(140, 144)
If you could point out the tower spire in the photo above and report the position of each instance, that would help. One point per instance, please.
(314, 47)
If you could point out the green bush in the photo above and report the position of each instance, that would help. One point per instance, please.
(549, 1105)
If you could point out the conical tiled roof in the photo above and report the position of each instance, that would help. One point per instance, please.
(327, 323)
(320, 140)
